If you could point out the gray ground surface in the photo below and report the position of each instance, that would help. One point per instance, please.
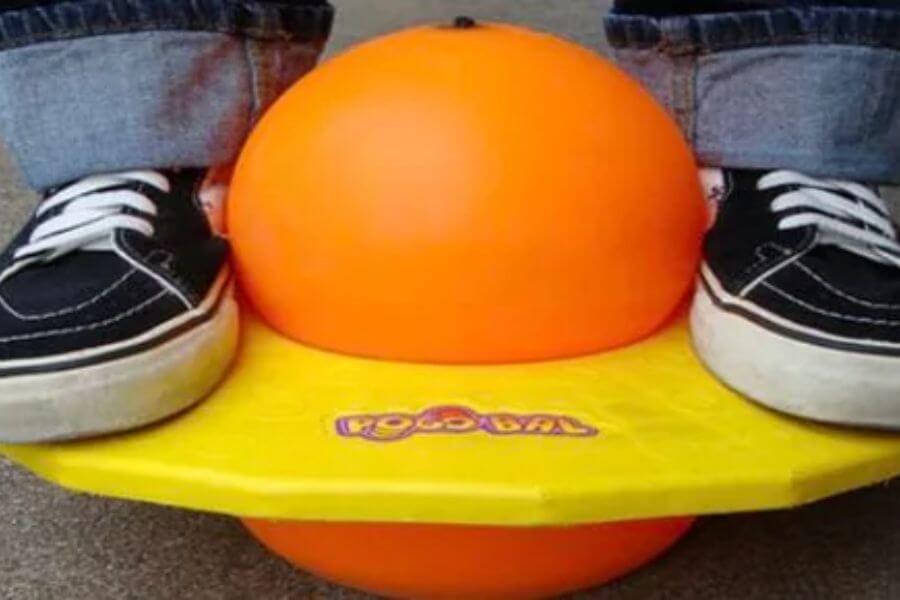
(55, 545)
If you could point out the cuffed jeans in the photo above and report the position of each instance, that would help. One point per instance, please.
(89, 86)
(807, 85)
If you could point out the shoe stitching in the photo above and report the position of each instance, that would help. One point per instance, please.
(128, 252)
(830, 287)
(788, 256)
(828, 313)
(845, 295)
(67, 309)
(777, 264)
(761, 258)
(89, 327)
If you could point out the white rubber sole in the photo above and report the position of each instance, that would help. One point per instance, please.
(121, 394)
(816, 382)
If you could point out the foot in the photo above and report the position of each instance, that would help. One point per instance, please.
(798, 305)
(115, 308)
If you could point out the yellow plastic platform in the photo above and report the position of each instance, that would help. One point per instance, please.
(301, 434)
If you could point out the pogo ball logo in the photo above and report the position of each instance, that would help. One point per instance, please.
(459, 420)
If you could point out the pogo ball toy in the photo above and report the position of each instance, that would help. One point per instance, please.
(475, 193)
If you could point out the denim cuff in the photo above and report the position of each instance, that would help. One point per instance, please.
(694, 34)
(294, 21)
(108, 85)
(814, 90)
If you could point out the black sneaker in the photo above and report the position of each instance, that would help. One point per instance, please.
(116, 308)
(798, 305)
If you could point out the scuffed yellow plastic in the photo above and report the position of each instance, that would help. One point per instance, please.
(672, 441)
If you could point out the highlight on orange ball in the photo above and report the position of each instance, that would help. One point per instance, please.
(467, 562)
(477, 194)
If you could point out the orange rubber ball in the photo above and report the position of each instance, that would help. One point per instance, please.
(477, 193)
(449, 562)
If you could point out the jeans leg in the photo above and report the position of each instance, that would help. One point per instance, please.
(17, 4)
(90, 86)
(814, 89)
(660, 8)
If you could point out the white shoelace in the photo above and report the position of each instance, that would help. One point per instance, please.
(847, 215)
(91, 215)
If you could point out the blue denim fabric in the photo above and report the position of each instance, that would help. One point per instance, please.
(90, 86)
(812, 89)
(286, 20)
